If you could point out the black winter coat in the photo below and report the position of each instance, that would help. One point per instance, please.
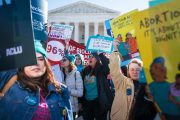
(105, 96)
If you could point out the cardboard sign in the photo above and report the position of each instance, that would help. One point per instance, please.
(39, 10)
(158, 35)
(60, 31)
(108, 28)
(76, 48)
(100, 43)
(55, 50)
(57, 73)
(16, 35)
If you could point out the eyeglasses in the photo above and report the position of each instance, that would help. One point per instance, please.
(64, 60)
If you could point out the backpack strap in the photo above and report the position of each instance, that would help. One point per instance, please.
(8, 85)
(75, 79)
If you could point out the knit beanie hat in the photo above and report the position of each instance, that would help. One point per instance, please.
(39, 48)
(71, 58)
(96, 56)
(81, 57)
(159, 60)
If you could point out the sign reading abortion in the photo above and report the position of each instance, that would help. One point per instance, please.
(100, 44)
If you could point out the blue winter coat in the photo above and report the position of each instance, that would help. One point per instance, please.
(19, 103)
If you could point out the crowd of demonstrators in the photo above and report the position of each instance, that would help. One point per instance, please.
(97, 98)
(73, 80)
(160, 89)
(33, 93)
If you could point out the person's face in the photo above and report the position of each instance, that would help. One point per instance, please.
(38, 70)
(134, 71)
(129, 36)
(78, 60)
(119, 38)
(65, 62)
(92, 61)
(159, 72)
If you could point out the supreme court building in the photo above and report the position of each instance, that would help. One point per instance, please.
(87, 18)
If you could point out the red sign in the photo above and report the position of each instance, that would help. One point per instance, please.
(55, 50)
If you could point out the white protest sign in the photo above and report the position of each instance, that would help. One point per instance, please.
(57, 73)
(60, 31)
(100, 43)
(55, 50)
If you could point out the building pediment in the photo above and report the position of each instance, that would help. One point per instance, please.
(82, 7)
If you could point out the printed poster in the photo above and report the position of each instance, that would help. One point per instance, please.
(39, 9)
(100, 44)
(158, 33)
(16, 35)
(124, 32)
(61, 31)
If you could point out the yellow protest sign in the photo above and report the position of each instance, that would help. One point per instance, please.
(123, 24)
(158, 35)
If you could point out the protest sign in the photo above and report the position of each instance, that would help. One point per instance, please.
(123, 24)
(55, 50)
(16, 35)
(124, 31)
(156, 2)
(76, 48)
(39, 10)
(158, 35)
(60, 31)
(58, 75)
(100, 43)
(108, 28)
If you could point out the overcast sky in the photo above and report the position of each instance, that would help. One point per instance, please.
(122, 6)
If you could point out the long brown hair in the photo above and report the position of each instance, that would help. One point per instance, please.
(42, 82)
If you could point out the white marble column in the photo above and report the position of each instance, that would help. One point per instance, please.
(96, 26)
(105, 32)
(76, 32)
(86, 32)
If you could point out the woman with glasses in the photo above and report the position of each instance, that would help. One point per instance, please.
(97, 99)
(33, 94)
(126, 87)
(73, 80)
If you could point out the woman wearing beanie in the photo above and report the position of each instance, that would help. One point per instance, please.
(79, 62)
(97, 99)
(73, 80)
(33, 93)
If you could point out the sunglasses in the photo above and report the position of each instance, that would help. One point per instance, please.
(64, 60)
